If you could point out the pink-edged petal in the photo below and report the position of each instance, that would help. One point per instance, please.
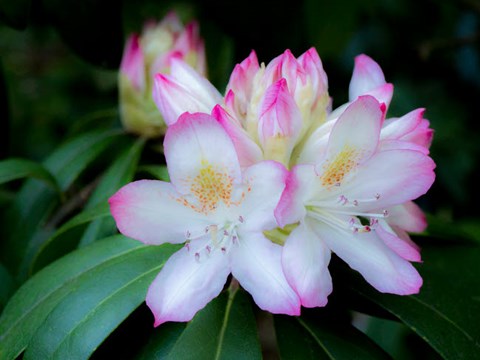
(383, 94)
(173, 99)
(408, 217)
(368, 254)
(247, 150)
(395, 128)
(298, 189)
(305, 261)
(197, 84)
(279, 114)
(367, 75)
(389, 178)
(422, 135)
(256, 264)
(354, 138)
(312, 65)
(402, 145)
(287, 67)
(406, 250)
(196, 142)
(265, 182)
(132, 65)
(242, 76)
(148, 211)
(187, 283)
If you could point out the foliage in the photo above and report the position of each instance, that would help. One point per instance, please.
(71, 288)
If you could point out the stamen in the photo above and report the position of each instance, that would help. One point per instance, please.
(208, 248)
(224, 250)
(241, 219)
(197, 256)
(188, 234)
(187, 245)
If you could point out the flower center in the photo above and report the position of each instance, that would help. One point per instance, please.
(336, 169)
(221, 238)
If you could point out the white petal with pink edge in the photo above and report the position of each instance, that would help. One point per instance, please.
(187, 283)
(367, 75)
(407, 216)
(305, 261)
(357, 130)
(256, 264)
(150, 211)
(197, 142)
(265, 182)
(248, 151)
(378, 264)
(132, 65)
(387, 179)
(406, 249)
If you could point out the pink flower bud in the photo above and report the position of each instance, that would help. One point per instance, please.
(144, 56)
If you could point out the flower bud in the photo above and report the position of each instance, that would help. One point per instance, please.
(146, 55)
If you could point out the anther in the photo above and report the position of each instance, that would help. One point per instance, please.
(385, 213)
(187, 245)
(208, 248)
(342, 199)
(188, 234)
(377, 196)
(241, 219)
(355, 202)
(224, 250)
(225, 232)
(197, 256)
(234, 239)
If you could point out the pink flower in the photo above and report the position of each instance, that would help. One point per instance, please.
(219, 211)
(149, 54)
(354, 178)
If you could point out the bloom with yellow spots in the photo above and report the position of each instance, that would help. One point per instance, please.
(341, 202)
(219, 211)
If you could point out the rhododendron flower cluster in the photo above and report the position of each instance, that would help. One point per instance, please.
(146, 55)
(271, 154)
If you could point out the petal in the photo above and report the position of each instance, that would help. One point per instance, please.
(279, 114)
(132, 65)
(383, 94)
(299, 184)
(312, 65)
(148, 211)
(173, 99)
(367, 75)
(395, 128)
(242, 76)
(407, 216)
(196, 142)
(406, 250)
(389, 178)
(184, 90)
(186, 284)
(305, 261)
(378, 264)
(256, 264)
(357, 129)
(247, 150)
(265, 181)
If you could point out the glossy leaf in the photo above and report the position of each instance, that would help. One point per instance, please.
(35, 200)
(159, 172)
(54, 246)
(99, 303)
(120, 173)
(224, 328)
(303, 338)
(446, 312)
(12, 169)
(6, 286)
(37, 298)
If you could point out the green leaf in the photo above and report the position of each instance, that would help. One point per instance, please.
(159, 172)
(35, 201)
(100, 302)
(12, 169)
(226, 326)
(15, 13)
(445, 313)
(120, 173)
(55, 246)
(303, 338)
(6, 286)
(79, 276)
